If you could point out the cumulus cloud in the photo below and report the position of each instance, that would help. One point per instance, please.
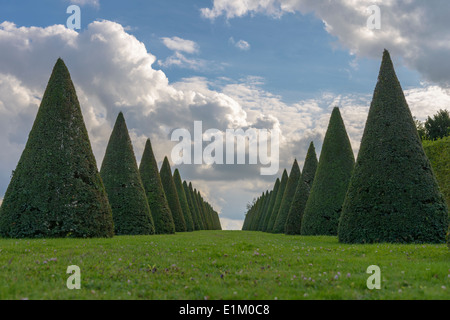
(180, 45)
(414, 30)
(94, 3)
(241, 44)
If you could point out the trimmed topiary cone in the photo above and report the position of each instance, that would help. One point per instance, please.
(393, 195)
(183, 201)
(172, 196)
(294, 220)
(56, 189)
(271, 204)
(276, 207)
(288, 196)
(126, 194)
(148, 168)
(197, 209)
(324, 205)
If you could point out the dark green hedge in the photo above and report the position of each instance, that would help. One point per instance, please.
(276, 207)
(126, 194)
(148, 168)
(393, 195)
(288, 196)
(56, 189)
(273, 198)
(172, 196)
(183, 201)
(294, 220)
(324, 205)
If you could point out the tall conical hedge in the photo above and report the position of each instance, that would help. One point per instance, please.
(288, 196)
(172, 196)
(393, 195)
(159, 207)
(324, 205)
(183, 201)
(191, 206)
(271, 204)
(294, 220)
(56, 189)
(197, 209)
(276, 207)
(123, 184)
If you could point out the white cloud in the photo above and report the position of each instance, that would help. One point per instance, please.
(415, 30)
(241, 44)
(180, 45)
(94, 3)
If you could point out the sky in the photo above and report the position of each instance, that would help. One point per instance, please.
(268, 64)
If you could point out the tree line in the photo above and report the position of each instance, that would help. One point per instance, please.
(58, 191)
(389, 194)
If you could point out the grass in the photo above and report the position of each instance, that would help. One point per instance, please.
(220, 265)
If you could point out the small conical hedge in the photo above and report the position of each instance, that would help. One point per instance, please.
(183, 201)
(271, 204)
(56, 189)
(172, 196)
(310, 165)
(148, 168)
(294, 220)
(276, 207)
(126, 194)
(191, 206)
(196, 208)
(288, 196)
(324, 205)
(393, 195)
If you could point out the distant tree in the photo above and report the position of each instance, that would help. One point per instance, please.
(271, 204)
(126, 194)
(420, 128)
(56, 189)
(438, 126)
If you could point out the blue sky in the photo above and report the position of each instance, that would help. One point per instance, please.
(294, 55)
(165, 64)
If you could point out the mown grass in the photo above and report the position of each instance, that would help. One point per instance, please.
(220, 265)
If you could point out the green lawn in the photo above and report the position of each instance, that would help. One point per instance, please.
(220, 265)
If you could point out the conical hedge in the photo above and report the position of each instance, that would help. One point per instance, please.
(56, 189)
(197, 209)
(148, 168)
(183, 201)
(288, 196)
(393, 195)
(123, 184)
(324, 205)
(294, 220)
(264, 212)
(310, 165)
(271, 204)
(191, 206)
(276, 207)
(172, 196)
